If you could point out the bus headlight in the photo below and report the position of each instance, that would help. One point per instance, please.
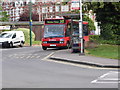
(44, 41)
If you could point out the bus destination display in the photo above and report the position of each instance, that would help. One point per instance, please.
(56, 21)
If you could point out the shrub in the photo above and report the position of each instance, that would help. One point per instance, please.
(98, 39)
(112, 42)
(95, 38)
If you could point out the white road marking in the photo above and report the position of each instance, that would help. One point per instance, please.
(38, 56)
(103, 82)
(110, 77)
(4, 49)
(48, 56)
(104, 75)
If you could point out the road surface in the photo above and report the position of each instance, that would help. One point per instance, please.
(28, 67)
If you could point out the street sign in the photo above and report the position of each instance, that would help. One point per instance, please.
(4, 27)
(75, 5)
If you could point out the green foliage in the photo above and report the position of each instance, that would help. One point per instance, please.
(75, 11)
(26, 33)
(111, 42)
(0, 8)
(91, 25)
(4, 16)
(108, 16)
(98, 39)
(94, 37)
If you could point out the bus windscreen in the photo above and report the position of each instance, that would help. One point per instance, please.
(54, 31)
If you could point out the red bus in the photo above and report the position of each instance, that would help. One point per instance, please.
(57, 33)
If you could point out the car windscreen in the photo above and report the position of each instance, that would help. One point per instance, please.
(54, 31)
(5, 35)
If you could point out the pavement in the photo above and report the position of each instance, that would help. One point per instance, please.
(67, 56)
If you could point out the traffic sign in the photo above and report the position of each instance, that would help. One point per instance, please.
(4, 27)
(75, 5)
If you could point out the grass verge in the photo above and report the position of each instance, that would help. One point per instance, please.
(106, 51)
(27, 43)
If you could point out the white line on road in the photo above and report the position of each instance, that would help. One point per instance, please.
(110, 77)
(95, 81)
(103, 75)
(48, 56)
(4, 49)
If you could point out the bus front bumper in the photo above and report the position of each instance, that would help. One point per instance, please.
(54, 45)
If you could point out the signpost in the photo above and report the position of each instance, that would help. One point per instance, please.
(81, 29)
(4, 27)
(30, 23)
(77, 5)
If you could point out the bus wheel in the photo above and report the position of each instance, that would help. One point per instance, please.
(44, 48)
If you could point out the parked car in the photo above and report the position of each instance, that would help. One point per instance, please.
(12, 38)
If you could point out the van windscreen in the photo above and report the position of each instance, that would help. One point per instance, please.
(5, 35)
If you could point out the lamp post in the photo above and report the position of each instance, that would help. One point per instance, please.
(30, 22)
(81, 30)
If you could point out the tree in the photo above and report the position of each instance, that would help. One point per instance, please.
(3, 15)
(108, 16)
(25, 16)
(91, 25)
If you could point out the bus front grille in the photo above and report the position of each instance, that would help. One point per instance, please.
(53, 41)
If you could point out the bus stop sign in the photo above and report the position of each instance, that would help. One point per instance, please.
(75, 5)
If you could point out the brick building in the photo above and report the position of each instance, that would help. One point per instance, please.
(44, 8)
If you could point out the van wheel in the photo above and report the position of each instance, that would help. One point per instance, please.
(21, 44)
(44, 48)
(10, 44)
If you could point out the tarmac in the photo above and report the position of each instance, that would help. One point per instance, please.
(66, 56)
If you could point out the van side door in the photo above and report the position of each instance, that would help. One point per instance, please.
(15, 39)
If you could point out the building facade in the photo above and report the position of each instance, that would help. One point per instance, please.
(44, 8)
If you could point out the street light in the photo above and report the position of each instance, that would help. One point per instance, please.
(30, 22)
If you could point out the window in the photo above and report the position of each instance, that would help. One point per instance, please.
(14, 36)
(68, 32)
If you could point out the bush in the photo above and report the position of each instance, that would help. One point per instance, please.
(95, 38)
(112, 42)
(98, 39)
(26, 33)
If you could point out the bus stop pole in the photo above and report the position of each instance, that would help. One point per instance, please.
(81, 29)
(30, 22)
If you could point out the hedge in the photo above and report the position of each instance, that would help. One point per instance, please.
(98, 39)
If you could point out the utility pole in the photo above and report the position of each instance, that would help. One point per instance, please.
(30, 23)
(81, 30)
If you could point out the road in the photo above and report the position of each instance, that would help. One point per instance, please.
(28, 67)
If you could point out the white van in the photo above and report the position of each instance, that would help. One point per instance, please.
(12, 38)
